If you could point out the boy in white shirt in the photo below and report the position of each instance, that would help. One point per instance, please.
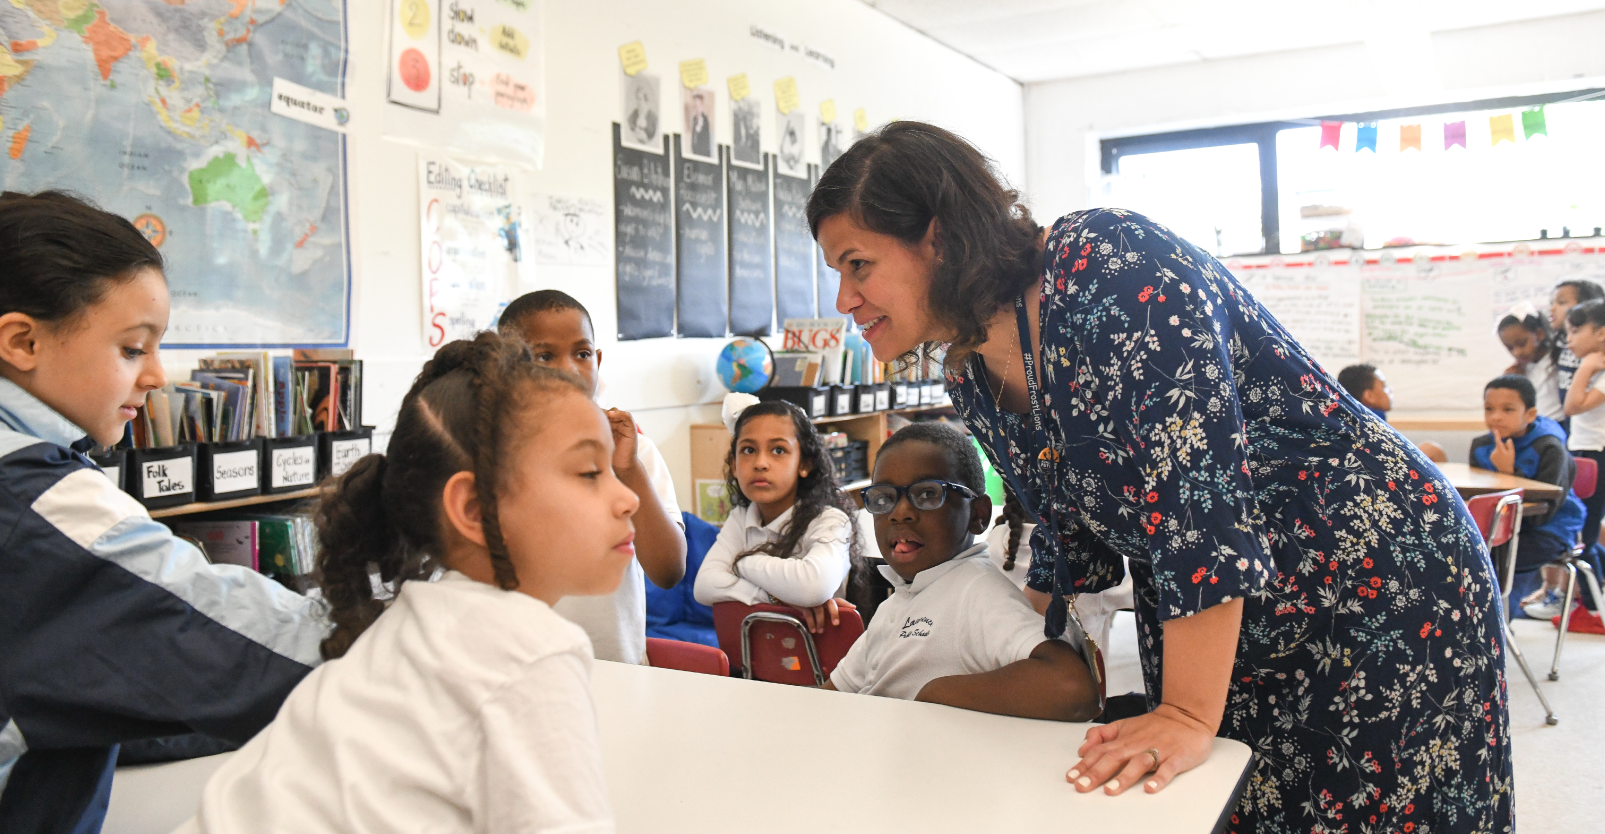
(558, 330)
(955, 631)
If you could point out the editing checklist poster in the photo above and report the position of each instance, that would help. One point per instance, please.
(468, 75)
(475, 257)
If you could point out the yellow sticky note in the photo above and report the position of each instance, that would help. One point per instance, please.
(786, 94)
(738, 87)
(633, 57)
(694, 73)
(1501, 129)
(861, 120)
(827, 111)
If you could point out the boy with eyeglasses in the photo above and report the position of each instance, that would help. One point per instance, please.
(955, 631)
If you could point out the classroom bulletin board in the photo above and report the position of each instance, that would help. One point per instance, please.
(1425, 315)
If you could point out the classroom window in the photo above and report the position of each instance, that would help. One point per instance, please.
(1211, 196)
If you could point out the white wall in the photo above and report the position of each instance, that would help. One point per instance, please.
(881, 65)
(1065, 119)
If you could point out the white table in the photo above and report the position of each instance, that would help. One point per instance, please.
(695, 753)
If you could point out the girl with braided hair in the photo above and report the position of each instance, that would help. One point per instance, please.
(461, 704)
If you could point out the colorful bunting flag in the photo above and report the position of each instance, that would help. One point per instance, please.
(1330, 131)
(1454, 133)
(1365, 138)
(1501, 128)
(1409, 137)
(1533, 124)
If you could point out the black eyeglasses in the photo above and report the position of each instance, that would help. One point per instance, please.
(879, 499)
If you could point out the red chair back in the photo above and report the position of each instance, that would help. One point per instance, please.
(779, 647)
(1496, 526)
(1587, 478)
(687, 657)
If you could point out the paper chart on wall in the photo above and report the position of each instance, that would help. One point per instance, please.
(473, 234)
(469, 76)
(568, 231)
(1320, 306)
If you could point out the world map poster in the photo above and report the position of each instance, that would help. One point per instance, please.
(158, 110)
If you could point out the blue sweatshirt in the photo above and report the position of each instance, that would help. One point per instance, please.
(113, 629)
(1541, 456)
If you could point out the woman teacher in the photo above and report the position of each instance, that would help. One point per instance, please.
(1306, 581)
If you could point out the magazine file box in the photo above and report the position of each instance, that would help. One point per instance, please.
(162, 477)
(229, 470)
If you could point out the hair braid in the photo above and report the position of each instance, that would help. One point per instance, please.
(490, 394)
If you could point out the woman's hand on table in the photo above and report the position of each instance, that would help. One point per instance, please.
(1116, 756)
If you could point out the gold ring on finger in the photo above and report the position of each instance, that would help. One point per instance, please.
(1153, 754)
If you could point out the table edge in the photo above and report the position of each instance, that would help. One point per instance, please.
(1237, 795)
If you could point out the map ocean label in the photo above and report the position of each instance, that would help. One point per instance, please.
(307, 105)
(643, 240)
(473, 250)
(700, 245)
(752, 277)
(794, 250)
(163, 114)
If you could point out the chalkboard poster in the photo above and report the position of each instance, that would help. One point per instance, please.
(752, 268)
(829, 279)
(699, 238)
(643, 222)
(794, 249)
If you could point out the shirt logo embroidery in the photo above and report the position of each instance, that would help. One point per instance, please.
(911, 628)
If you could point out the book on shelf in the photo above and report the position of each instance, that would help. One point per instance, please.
(823, 336)
(224, 542)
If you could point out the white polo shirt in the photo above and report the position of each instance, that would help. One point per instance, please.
(1587, 433)
(462, 708)
(616, 622)
(961, 617)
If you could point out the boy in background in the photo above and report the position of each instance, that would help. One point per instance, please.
(1521, 442)
(1366, 384)
(558, 330)
(955, 631)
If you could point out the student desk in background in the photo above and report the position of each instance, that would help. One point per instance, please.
(1470, 482)
(696, 753)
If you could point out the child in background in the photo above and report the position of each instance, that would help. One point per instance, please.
(464, 704)
(558, 330)
(956, 631)
(1520, 441)
(1526, 334)
(114, 629)
(1366, 384)
(793, 537)
(1584, 400)
(1568, 294)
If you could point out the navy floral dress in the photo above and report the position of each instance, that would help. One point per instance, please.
(1191, 434)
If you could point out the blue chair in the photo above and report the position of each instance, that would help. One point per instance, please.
(674, 613)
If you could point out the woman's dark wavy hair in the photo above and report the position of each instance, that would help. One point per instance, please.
(898, 179)
(59, 254)
(385, 515)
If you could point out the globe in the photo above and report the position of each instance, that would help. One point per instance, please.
(745, 365)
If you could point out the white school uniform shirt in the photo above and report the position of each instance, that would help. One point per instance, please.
(1546, 384)
(462, 708)
(816, 573)
(616, 622)
(1587, 433)
(962, 617)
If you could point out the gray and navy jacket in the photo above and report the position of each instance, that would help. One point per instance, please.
(113, 629)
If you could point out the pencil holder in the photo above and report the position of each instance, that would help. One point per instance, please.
(229, 470)
(291, 463)
(115, 464)
(841, 400)
(339, 450)
(163, 477)
(815, 402)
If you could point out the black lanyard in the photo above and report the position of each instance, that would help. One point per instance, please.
(1047, 461)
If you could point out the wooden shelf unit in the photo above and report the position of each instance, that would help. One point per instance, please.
(209, 506)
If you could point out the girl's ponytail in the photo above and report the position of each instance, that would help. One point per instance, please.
(354, 538)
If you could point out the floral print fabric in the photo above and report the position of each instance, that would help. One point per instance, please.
(1189, 433)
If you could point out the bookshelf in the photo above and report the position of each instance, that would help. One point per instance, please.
(209, 506)
(710, 443)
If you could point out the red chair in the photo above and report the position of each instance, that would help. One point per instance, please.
(687, 657)
(1583, 485)
(774, 644)
(1498, 517)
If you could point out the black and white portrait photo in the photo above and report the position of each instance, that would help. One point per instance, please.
(698, 104)
(745, 148)
(641, 123)
(790, 144)
(831, 143)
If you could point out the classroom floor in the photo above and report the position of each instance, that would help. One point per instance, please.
(1558, 784)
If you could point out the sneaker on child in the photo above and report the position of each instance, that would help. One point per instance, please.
(1543, 605)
